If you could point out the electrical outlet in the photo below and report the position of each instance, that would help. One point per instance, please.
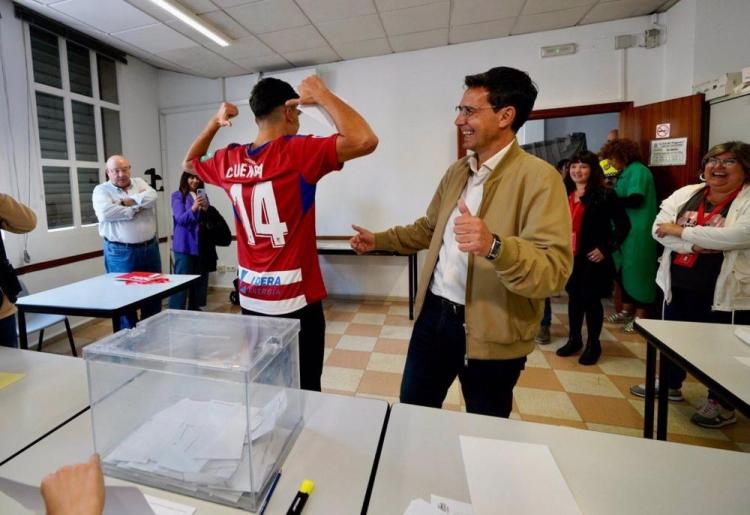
(221, 268)
(231, 268)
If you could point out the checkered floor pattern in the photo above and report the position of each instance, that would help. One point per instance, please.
(366, 346)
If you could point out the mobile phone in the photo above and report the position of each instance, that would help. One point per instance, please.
(201, 192)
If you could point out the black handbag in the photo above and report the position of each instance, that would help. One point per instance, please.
(216, 228)
(9, 285)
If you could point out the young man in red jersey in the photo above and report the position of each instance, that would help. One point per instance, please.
(271, 183)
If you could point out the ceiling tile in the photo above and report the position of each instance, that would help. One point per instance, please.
(152, 9)
(118, 15)
(357, 49)
(216, 68)
(620, 9)
(198, 6)
(417, 19)
(292, 40)
(312, 56)
(352, 29)
(232, 3)
(548, 21)
(155, 38)
(392, 5)
(542, 6)
(244, 47)
(478, 11)
(224, 23)
(189, 56)
(428, 39)
(330, 10)
(263, 62)
(269, 16)
(479, 31)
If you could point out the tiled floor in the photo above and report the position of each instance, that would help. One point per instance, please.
(366, 346)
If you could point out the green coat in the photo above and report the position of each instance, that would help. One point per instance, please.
(636, 259)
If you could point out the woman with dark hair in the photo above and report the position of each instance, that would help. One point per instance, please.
(599, 227)
(705, 230)
(636, 259)
(189, 206)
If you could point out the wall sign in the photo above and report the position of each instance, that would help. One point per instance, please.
(668, 152)
(663, 130)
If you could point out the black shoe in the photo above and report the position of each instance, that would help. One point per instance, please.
(591, 354)
(569, 348)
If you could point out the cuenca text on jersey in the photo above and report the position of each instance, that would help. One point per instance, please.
(244, 171)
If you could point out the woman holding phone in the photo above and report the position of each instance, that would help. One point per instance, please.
(189, 208)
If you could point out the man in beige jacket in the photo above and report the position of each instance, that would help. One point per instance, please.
(17, 218)
(498, 240)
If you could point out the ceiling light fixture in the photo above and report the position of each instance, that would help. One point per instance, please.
(193, 21)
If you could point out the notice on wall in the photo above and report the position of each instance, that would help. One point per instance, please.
(668, 152)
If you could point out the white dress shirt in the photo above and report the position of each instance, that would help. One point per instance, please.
(125, 224)
(449, 278)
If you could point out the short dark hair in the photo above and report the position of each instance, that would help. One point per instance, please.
(740, 149)
(268, 94)
(507, 87)
(596, 177)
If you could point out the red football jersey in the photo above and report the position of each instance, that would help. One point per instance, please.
(272, 189)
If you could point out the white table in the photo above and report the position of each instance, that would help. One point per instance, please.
(707, 352)
(606, 473)
(53, 391)
(101, 296)
(336, 449)
(339, 246)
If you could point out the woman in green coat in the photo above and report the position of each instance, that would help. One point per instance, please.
(636, 260)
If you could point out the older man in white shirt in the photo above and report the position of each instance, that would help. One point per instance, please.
(127, 222)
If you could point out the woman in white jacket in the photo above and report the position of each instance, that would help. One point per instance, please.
(705, 267)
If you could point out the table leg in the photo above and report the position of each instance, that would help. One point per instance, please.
(661, 412)
(648, 412)
(22, 336)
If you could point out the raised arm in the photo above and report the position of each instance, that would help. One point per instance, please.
(355, 138)
(200, 145)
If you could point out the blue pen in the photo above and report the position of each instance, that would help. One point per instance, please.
(270, 493)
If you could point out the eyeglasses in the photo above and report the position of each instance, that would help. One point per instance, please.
(715, 161)
(124, 169)
(469, 111)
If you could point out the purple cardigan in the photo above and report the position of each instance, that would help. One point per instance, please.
(185, 237)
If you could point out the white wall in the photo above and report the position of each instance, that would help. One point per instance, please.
(722, 38)
(139, 122)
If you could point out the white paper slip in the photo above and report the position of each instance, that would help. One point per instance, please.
(446, 506)
(743, 333)
(744, 360)
(165, 507)
(420, 507)
(505, 476)
(318, 114)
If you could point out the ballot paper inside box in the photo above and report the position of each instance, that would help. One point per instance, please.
(202, 404)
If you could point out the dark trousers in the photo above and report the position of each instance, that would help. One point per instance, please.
(197, 295)
(436, 356)
(547, 316)
(311, 342)
(8, 334)
(688, 306)
(591, 308)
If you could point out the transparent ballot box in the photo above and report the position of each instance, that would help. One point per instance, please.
(202, 404)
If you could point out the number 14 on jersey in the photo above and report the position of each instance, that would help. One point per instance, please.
(264, 221)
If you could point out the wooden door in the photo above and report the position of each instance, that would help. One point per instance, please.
(688, 117)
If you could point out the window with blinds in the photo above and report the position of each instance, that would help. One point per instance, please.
(78, 122)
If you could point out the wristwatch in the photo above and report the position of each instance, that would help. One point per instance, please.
(495, 248)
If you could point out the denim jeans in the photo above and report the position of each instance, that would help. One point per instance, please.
(122, 258)
(8, 335)
(197, 294)
(436, 355)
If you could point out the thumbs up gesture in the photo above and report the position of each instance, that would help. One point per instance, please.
(471, 233)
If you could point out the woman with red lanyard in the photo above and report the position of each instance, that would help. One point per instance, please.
(705, 268)
(600, 225)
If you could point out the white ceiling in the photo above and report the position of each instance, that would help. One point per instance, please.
(277, 34)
